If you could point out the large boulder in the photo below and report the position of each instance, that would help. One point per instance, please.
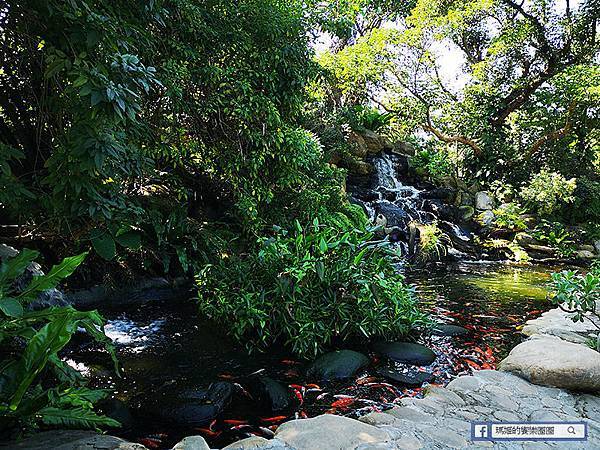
(192, 407)
(71, 440)
(337, 365)
(447, 329)
(396, 216)
(550, 361)
(406, 352)
(404, 148)
(270, 393)
(483, 201)
(372, 141)
(329, 432)
(358, 146)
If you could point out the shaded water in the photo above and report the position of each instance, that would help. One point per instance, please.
(168, 347)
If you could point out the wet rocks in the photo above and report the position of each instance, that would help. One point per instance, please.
(192, 443)
(409, 378)
(550, 361)
(406, 352)
(270, 393)
(444, 329)
(396, 216)
(337, 365)
(194, 407)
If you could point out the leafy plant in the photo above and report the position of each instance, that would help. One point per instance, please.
(547, 192)
(555, 235)
(508, 216)
(433, 242)
(578, 294)
(36, 386)
(308, 287)
(432, 162)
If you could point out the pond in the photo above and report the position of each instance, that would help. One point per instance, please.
(168, 352)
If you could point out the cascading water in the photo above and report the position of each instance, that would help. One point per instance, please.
(399, 207)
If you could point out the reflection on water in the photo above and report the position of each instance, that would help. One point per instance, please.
(170, 346)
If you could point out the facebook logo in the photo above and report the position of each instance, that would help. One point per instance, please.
(479, 431)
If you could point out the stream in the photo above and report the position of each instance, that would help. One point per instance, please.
(169, 353)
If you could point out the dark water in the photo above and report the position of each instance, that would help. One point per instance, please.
(168, 347)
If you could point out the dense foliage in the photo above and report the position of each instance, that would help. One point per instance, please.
(37, 387)
(309, 287)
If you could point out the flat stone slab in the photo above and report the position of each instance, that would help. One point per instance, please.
(550, 361)
(557, 322)
(337, 365)
(329, 432)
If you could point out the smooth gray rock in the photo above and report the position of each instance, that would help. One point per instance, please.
(192, 443)
(329, 432)
(337, 365)
(446, 329)
(550, 361)
(406, 352)
(483, 201)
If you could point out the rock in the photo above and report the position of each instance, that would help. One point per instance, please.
(411, 378)
(337, 365)
(396, 216)
(524, 239)
(358, 147)
(587, 248)
(466, 212)
(403, 148)
(117, 410)
(253, 442)
(445, 329)
(192, 443)
(487, 218)
(386, 143)
(550, 361)
(193, 408)
(585, 254)
(47, 298)
(597, 246)
(540, 248)
(483, 201)
(441, 193)
(329, 432)
(406, 352)
(360, 168)
(372, 141)
(71, 440)
(270, 393)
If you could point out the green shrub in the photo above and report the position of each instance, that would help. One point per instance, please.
(578, 294)
(434, 163)
(363, 117)
(547, 192)
(508, 216)
(555, 235)
(308, 287)
(36, 386)
(433, 242)
(586, 207)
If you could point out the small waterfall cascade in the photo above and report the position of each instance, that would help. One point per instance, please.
(392, 191)
(399, 207)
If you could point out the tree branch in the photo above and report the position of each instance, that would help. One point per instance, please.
(556, 134)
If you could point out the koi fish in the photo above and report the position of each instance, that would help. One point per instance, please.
(150, 443)
(273, 419)
(209, 433)
(343, 403)
(266, 431)
(235, 422)
(299, 396)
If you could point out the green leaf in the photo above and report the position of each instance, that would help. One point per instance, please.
(51, 279)
(105, 246)
(14, 267)
(129, 239)
(75, 418)
(11, 307)
(323, 245)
